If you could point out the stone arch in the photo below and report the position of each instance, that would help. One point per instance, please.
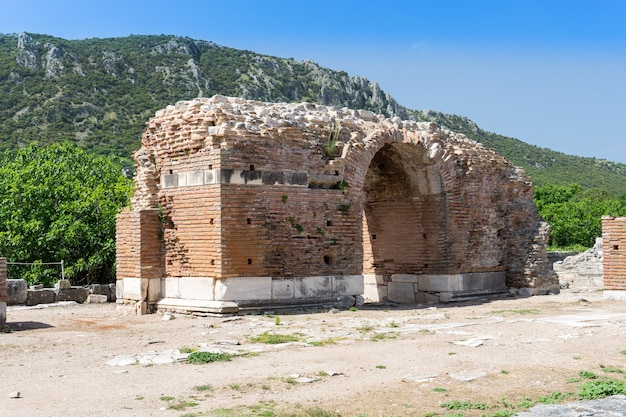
(404, 210)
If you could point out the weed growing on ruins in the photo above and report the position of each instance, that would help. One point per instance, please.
(198, 358)
(504, 372)
(269, 409)
(522, 312)
(464, 405)
(365, 328)
(181, 405)
(612, 370)
(600, 388)
(392, 324)
(166, 398)
(203, 388)
(438, 389)
(623, 352)
(587, 375)
(381, 367)
(333, 137)
(188, 349)
(275, 338)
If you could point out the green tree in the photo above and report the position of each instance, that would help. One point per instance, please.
(575, 213)
(59, 203)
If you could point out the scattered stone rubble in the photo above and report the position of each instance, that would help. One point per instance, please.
(582, 272)
(19, 293)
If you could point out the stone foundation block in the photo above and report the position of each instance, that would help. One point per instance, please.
(282, 289)
(17, 291)
(78, 294)
(195, 288)
(348, 285)
(401, 292)
(244, 289)
(375, 293)
(313, 287)
(43, 296)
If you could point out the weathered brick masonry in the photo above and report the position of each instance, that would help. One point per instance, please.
(3, 292)
(614, 257)
(241, 203)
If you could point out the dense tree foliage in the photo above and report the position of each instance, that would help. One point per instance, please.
(574, 213)
(59, 203)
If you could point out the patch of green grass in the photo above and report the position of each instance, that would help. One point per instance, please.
(166, 398)
(464, 405)
(354, 309)
(577, 358)
(554, 398)
(198, 358)
(234, 387)
(378, 336)
(438, 389)
(381, 367)
(275, 338)
(600, 388)
(504, 372)
(324, 342)
(188, 349)
(587, 374)
(203, 388)
(393, 324)
(612, 370)
(365, 328)
(523, 312)
(139, 398)
(182, 405)
(623, 352)
(322, 373)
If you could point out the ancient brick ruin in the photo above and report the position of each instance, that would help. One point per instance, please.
(244, 204)
(614, 257)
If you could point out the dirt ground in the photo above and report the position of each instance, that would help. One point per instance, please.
(375, 361)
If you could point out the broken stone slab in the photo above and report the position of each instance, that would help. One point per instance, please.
(470, 342)
(467, 376)
(614, 406)
(123, 360)
(420, 378)
(96, 299)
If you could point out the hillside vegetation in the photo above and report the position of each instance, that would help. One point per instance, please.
(98, 93)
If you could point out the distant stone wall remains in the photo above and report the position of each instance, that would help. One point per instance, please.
(614, 249)
(242, 203)
(582, 271)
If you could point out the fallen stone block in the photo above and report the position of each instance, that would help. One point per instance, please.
(43, 296)
(96, 299)
(17, 291)
(78, 294)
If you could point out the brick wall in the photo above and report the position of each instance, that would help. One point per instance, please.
(139, 238)
(614, 252)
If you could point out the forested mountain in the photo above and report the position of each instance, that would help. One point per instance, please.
(99, 93)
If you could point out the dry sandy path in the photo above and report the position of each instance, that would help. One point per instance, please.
(375, 361)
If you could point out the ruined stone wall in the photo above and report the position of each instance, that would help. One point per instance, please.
(286, 199)
(3, 292)
(614, 256)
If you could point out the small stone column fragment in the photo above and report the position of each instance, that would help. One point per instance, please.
(3, 292)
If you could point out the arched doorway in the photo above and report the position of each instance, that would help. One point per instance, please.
(405, 222)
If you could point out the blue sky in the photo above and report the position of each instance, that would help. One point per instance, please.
(548, 72)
